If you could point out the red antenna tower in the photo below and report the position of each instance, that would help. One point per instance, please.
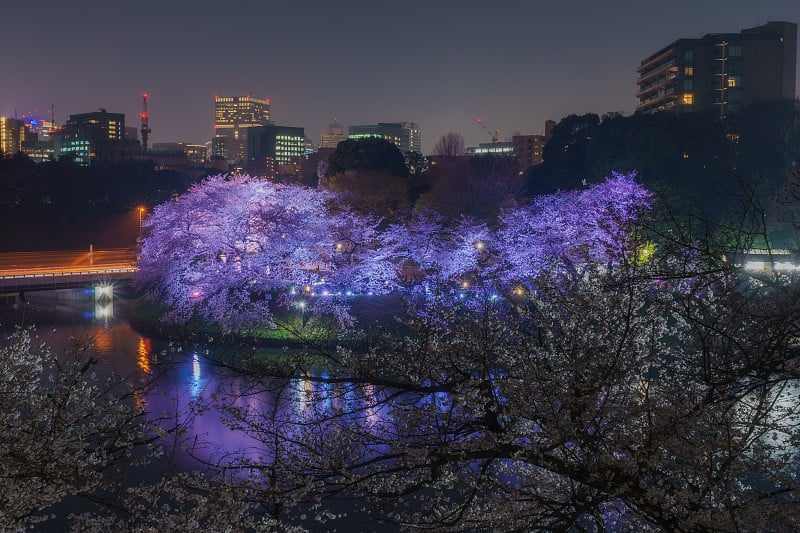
(145, 122)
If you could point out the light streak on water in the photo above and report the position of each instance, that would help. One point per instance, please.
(144, 355)
(196, 385)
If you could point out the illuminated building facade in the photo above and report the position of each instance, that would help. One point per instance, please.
(39, 128)
(89, 136)
(333, 136)
(495, 148)
(40, 151)
(722, 72)
(406, 135)
(37, 141)
(275, 150)
(233, 117)
(195, 152)
(12, 132)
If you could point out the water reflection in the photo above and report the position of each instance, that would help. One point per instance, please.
(249, 416)
(103, 342)
(245, 412)
(196, 384)
(145, 349)
(104, 302)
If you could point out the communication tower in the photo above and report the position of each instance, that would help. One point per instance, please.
(145, 122)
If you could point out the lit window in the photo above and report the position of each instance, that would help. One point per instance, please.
(688, 99)
(688, 71)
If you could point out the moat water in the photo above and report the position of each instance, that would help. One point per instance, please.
(177, 377)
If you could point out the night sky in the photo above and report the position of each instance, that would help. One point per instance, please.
(438, 63)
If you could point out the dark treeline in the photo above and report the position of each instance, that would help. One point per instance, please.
(692, 160)
(61, 205)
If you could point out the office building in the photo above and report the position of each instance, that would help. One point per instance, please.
(90, 136)
(721, 72)
(168, 148)
(12, 132)
(274, 151)
(406, 135)
(492, 148)
(528, 149)
(196, 153)
(37, 141)
(233, 118)
(38, 129)
(332, 137)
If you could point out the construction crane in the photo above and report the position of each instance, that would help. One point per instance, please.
(495, 134)
(145, 122)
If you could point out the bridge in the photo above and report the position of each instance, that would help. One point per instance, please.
(49, 270)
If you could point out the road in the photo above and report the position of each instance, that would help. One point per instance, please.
(20, 263)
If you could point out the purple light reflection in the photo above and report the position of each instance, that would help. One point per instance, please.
(234, 422)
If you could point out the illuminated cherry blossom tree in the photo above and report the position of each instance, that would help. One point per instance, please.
(573, 228)
(230, 248)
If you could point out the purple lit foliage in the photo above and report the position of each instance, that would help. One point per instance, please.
(232, 248)
(229, 246)
(572, 228)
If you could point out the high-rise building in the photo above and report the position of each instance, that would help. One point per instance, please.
(721, 71)
(89, 136)
(12, 132)
(275, 150)
(333, 136)
(233, 117)
(39, 127)
(37, 141)
(406, 135)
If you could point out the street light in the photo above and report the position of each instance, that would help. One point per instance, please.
(141, 212)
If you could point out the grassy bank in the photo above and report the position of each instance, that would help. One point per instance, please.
(290, 329)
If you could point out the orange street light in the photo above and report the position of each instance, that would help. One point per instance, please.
(141, 212)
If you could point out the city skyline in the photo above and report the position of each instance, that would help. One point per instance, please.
(441, 65)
